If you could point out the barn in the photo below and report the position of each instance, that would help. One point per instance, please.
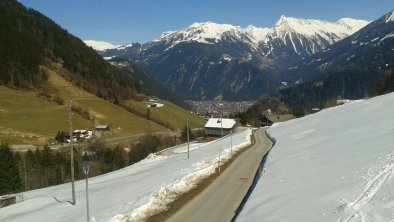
(271, 119)
(215, 126)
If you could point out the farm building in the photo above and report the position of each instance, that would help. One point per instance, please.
(271, 119)
(102, 128)
(215, 126)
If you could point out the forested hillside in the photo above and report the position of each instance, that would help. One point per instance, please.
(29, 39)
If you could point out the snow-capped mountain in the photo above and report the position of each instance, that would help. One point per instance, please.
(285, 30)
(99, 45)
(187, 60)
(371, 48)
(350, 68)
(335, 165)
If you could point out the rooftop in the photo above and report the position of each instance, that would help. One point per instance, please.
(216, 123)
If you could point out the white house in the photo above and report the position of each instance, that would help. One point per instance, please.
(215, 126)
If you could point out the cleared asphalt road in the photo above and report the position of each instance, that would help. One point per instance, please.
(219, 201)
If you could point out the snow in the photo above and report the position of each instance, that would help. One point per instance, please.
(155, 105)
(312, 28)
(335, 165)
(210, 32)
(192, 146)
(99, 45)
(130, 194)
(257, 34)
(390, 35)
(375, 39)
(390, 17)
(225, 123)
(124, 46)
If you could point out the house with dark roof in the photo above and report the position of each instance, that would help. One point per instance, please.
(102, 128)
(271, 119)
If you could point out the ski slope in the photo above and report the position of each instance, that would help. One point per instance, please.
(335, 165)
(130, 194)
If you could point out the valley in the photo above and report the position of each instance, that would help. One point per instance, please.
(148, 111)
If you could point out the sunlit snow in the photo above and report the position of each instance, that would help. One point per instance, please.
(210, 32)
(99, 45)
(130, 194)
(335, 165)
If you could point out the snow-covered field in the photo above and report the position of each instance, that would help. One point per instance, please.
(130, 194)
(335, 165)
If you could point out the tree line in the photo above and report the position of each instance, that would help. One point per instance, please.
(23, 171)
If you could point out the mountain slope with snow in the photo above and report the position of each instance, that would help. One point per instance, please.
(130, 194)
(335, 165)
(370, 48)
(189, 59)
(99, 45)
(211, 33)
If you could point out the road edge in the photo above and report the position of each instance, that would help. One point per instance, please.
(255, 179)
(187, 197)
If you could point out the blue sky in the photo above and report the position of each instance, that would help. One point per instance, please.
(124, 21)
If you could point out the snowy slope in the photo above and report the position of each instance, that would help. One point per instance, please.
(335, 165)
(129, 194)
(99, 45)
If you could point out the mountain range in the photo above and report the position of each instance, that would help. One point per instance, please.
(349, 68)
(220, 61)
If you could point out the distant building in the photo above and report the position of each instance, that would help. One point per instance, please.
(215, 126)
(271, 119)
(87, 134)
(315, 110)
(154, 99)
(102, 128)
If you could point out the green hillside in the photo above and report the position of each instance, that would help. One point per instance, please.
(169, 115)
(33, 117)
(29, 39)
(148, 84)
(43, 67)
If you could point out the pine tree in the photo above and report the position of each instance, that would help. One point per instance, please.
(10, 181)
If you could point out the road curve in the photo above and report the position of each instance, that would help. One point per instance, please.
(219, 201)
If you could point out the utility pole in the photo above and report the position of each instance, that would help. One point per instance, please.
(70, 114)
(231, 147)
(85, 168)
(187, 133)
(221, 133)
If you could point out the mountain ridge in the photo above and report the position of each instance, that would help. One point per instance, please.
(183, 60)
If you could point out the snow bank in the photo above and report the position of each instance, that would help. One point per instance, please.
(130, 194)
(335, 165)
(192, 146)
(160, 199)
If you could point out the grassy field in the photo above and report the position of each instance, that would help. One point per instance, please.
(102, 111)
(169, 114)
(26, 118)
